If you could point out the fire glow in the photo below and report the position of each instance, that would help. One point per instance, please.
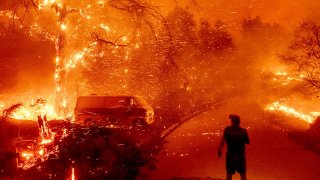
(73, 177)
(277, 106)
(42, 149)
(286, 78)
(68, 58)
(30, 111)
(30, 114)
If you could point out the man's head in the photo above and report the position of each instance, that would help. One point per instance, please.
(235, 119)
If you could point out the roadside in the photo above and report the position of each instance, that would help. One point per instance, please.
(191, 151)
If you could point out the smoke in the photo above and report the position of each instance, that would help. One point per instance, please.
(27, 65)
(286, 12)
(259, 30)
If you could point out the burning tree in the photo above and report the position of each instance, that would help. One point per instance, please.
(304, 53)
(86, 42)
(95, 58)
(80, 31)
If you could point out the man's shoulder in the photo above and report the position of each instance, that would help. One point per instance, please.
(235, 128)
(228, 128)
(243, 129)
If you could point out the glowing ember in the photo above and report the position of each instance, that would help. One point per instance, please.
(46, 141)
(277, 106)
(72, 174)
(27, 155)
(63, 27)
(41, 152)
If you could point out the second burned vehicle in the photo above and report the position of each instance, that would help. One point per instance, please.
(113, 111)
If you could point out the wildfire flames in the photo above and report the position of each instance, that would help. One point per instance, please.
(31, 114)
(285, 78)
(40, 152)
(31, 110)
(73, 177)
(278, 106)
(175, 56)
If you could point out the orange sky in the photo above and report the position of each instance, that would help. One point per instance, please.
(286, 12)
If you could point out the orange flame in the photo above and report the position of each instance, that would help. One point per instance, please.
(277, 106)
(73, 177)
(31, 113)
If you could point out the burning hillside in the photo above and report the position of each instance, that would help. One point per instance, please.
(183, 57)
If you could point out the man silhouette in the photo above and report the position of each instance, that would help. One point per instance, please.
(236, 138)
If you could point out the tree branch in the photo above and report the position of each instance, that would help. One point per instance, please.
(101, 40)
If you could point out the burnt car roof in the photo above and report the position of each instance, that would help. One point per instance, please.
(101, 102)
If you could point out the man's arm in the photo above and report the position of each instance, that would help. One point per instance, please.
(221, 146)
(222, 142)
(247, 138)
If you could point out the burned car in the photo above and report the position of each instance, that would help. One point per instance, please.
(113, 111)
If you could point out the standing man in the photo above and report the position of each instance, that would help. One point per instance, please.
(236, 138)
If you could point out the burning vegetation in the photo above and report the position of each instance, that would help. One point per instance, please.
(183, 59)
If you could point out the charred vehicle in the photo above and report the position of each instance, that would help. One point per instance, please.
(113, 111)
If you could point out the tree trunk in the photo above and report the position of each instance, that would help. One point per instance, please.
(60, 71)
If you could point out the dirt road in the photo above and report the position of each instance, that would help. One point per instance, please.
(191, 151)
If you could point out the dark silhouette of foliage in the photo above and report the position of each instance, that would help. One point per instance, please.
(253, 27)
(217, 38)
(304, 53)
(8, 112)
(254, 24)
(183, 28)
